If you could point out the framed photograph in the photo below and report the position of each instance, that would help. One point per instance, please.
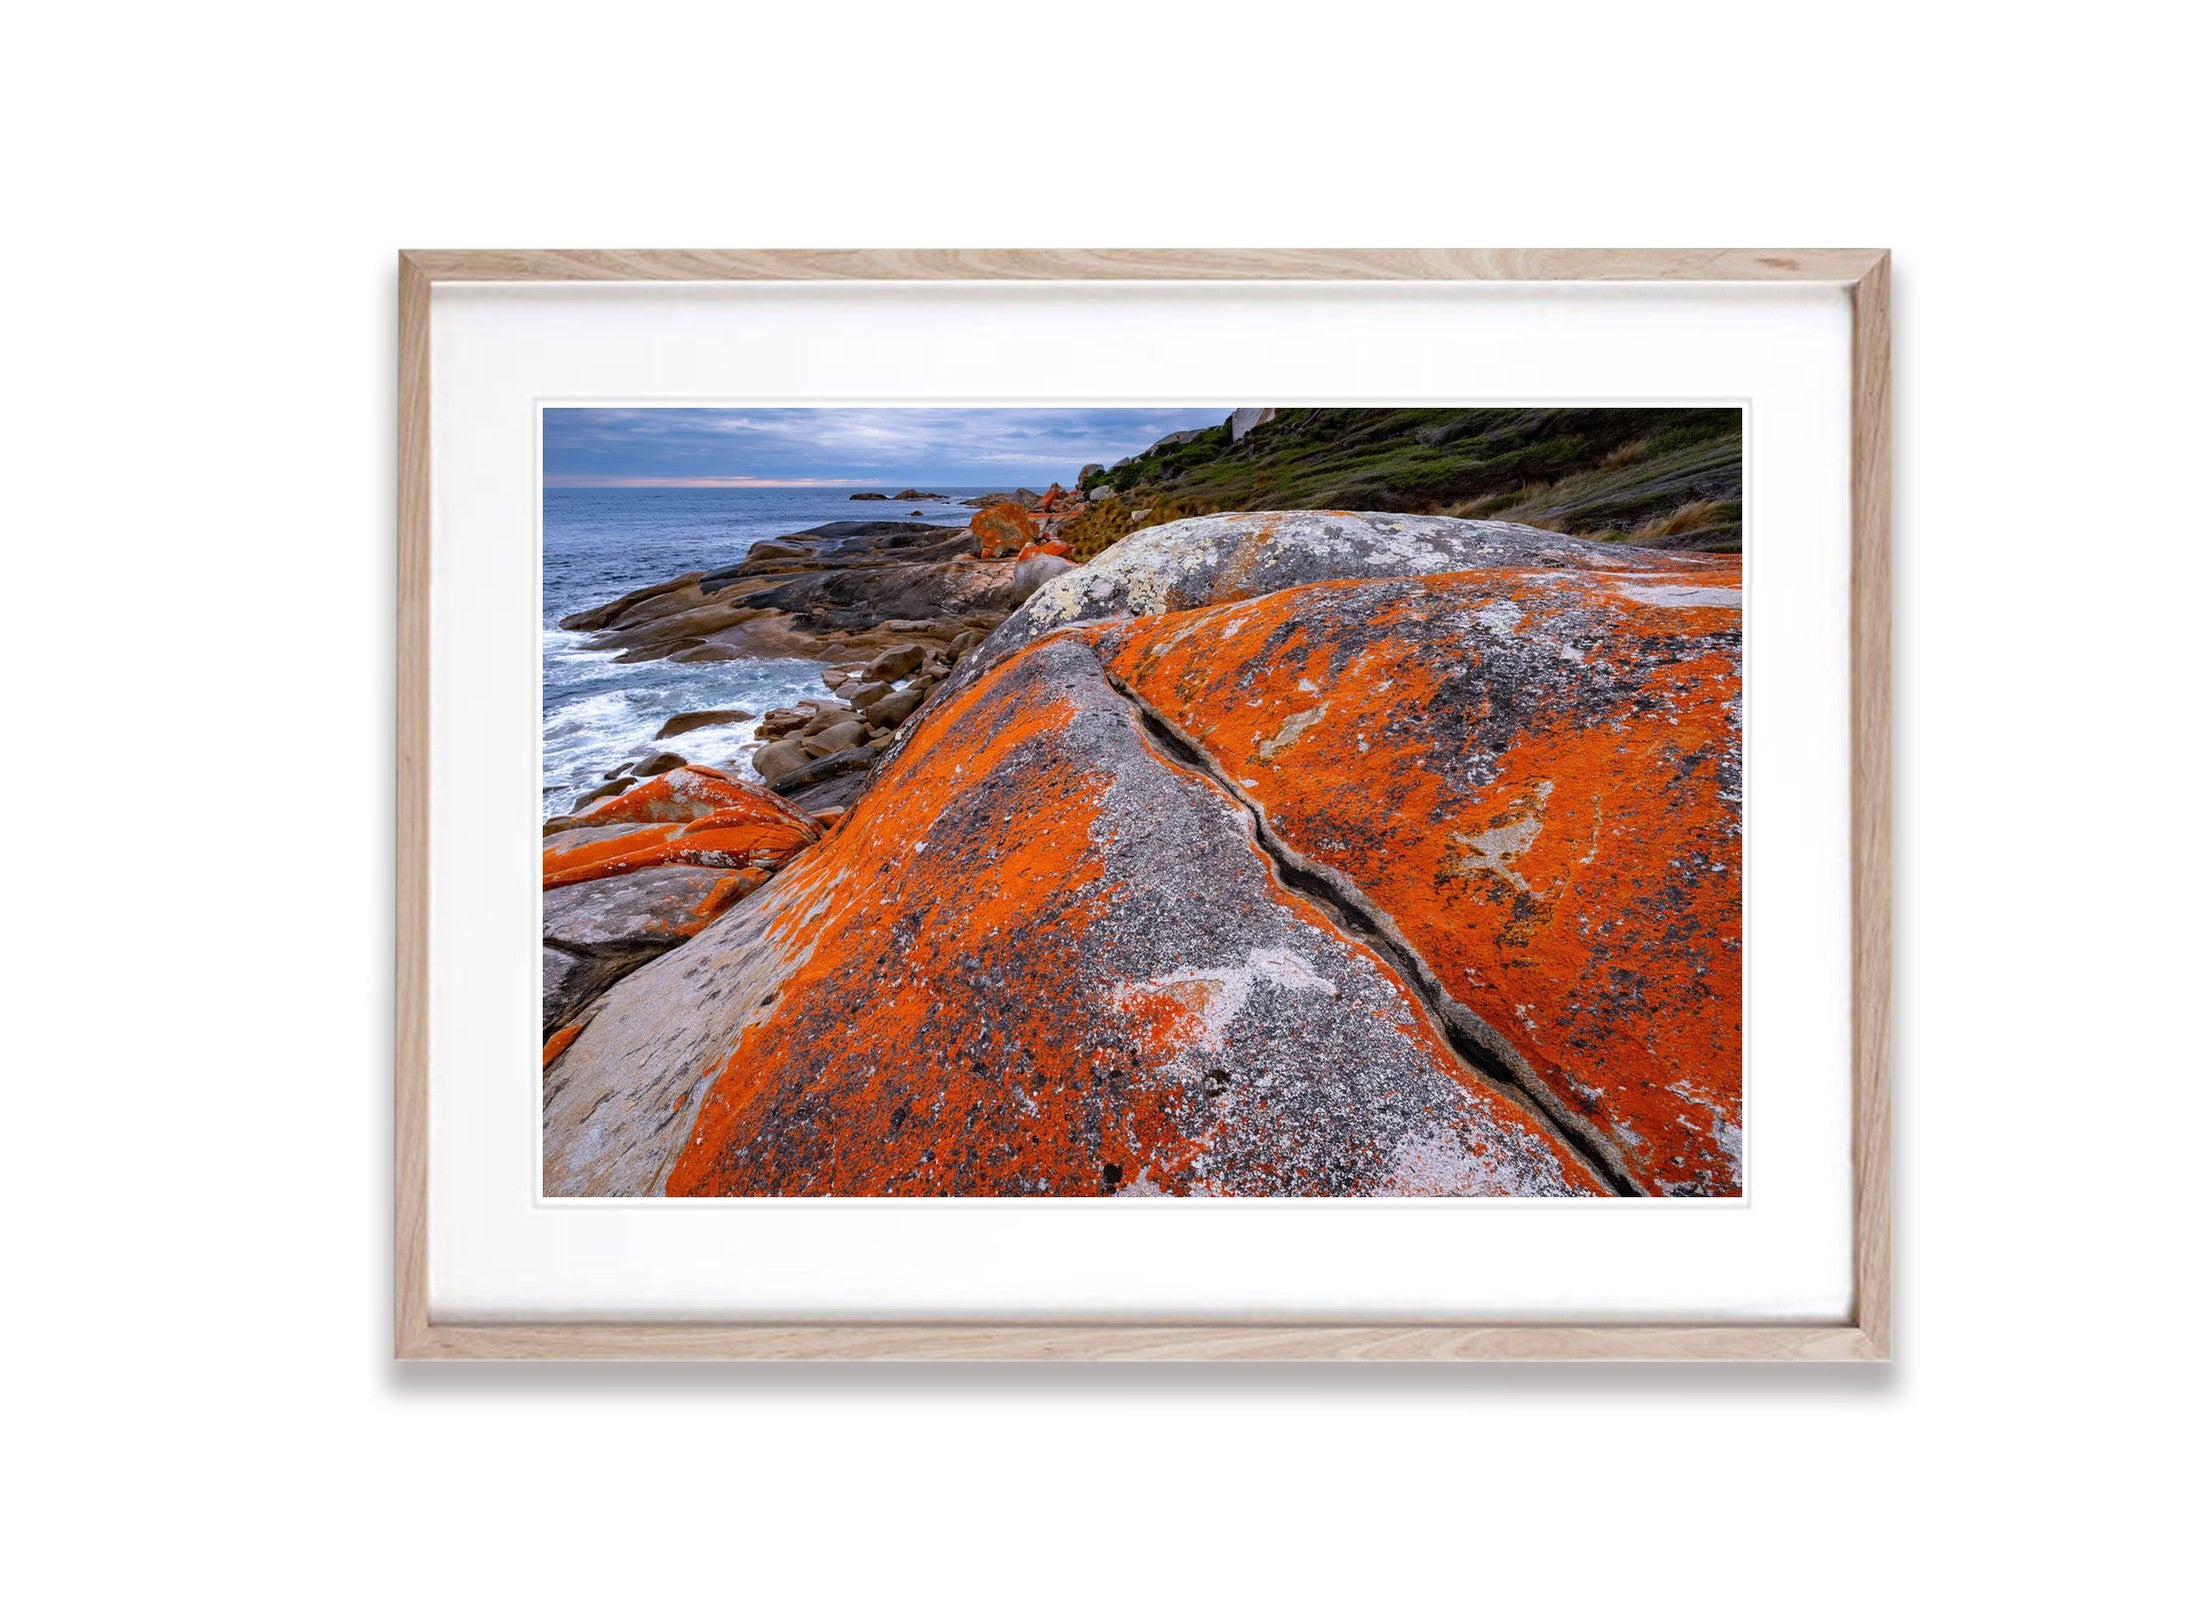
(1125, 804)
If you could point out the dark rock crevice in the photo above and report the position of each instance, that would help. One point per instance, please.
(1478, 1046)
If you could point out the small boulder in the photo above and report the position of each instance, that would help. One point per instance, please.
(617, 785)
(893, 710)
(841, 735)
(657, 765)
(1002, 529)
(688, 721)
(869, 694)
(1101, 495)
(1035, 573)
(896, 663)
(1085, 474)
(840, 763)
(777, 759)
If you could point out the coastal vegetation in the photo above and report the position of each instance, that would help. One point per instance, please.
(1662, 478)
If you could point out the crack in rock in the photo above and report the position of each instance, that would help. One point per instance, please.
(1478, 1046)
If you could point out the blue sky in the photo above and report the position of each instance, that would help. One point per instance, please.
(883, 447)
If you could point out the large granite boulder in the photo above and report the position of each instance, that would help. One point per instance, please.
(1530, 781)
(1053, 959)
(1288, 860)
(1209, 560)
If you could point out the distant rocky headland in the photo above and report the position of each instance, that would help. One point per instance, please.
(1286, 850)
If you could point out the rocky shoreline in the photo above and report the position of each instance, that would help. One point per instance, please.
(1290, 853)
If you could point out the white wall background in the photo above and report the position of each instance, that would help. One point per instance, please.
(198, 519)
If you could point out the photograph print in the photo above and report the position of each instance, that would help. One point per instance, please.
(1131, 802)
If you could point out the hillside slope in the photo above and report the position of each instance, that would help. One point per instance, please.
(1663, 478)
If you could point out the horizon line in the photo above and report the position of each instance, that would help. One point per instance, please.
(574, 480)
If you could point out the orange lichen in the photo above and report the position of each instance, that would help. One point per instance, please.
(1002, 529)
(702, 817)
(693, 792)
(879, 901)
(1534, 776)
(555, 1045)
(726, 838)
(958, 1015)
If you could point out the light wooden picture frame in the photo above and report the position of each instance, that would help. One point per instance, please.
(1862, 1335)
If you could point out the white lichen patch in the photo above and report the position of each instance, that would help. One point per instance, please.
(1294, 728)
(1439, 1164)
(1495, 849)
(1500, 617)
(1680, 597)
(1215, 995)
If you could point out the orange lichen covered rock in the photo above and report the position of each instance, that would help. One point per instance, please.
(1002, 529)
(693, 792)
(692, 817)
(1531, 779)
(723, 839)
(1269, 854)
(1050, 958)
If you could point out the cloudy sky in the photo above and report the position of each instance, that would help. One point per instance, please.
(845, 446)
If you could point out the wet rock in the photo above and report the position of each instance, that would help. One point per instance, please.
(617, 785)
(867, 494)
(658, 765)
(1099, 983)
(689, 721)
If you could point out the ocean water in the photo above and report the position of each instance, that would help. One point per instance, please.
(600, 543)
